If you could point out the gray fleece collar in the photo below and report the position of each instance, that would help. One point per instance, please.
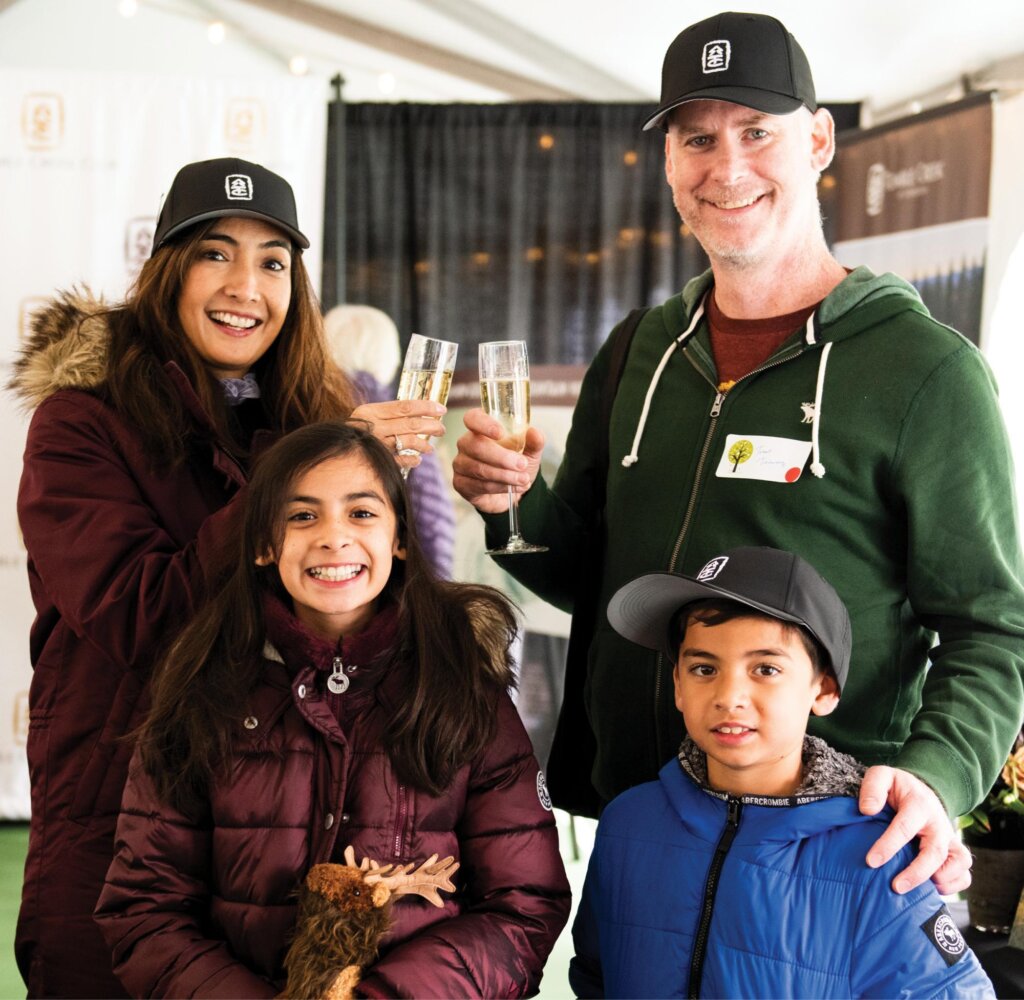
(826, 770)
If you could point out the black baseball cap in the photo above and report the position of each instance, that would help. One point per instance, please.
(211, 189)
(748, 59)
(777, 583)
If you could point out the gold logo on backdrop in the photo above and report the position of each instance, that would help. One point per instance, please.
(138, 242)
(27, 308)
(42, 121)
(245, 122)
(19, 721)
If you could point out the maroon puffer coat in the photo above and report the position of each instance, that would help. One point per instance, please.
(116, 556)
(205, 907)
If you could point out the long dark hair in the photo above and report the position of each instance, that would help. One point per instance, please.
(298, 385)
(452, 638)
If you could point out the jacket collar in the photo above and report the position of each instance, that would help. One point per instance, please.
(826, 771)
(299, 647)
(223, 462)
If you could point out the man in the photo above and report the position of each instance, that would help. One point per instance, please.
(786, 402)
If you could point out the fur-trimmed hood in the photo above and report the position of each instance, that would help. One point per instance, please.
(67, 348)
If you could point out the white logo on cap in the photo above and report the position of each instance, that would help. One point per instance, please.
(238, 187)
(715, 56)
(712, 569)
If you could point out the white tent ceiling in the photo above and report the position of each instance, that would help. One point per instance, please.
(885, 53)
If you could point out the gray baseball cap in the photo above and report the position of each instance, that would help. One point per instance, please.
(778, 583)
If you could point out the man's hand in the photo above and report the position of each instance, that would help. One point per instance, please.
(919, 813)
(483, 470)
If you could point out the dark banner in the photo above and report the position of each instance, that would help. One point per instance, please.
(913, 198)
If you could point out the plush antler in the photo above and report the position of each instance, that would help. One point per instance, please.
(343, 913)
(431, 876)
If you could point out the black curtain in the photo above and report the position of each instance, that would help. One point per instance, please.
(545, 222)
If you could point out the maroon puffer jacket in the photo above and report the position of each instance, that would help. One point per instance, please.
(206, 907)
(115, 555)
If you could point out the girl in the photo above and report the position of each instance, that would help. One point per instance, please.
(334, 692)
(146, 416)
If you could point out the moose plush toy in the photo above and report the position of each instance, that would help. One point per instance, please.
(344, 911)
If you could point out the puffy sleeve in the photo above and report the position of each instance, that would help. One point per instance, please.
(585, 974)
(153, 910)
(909, 946)
(99, 547)
(516, 894)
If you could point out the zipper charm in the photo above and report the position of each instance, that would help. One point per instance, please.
(338, 682)
(717, 406)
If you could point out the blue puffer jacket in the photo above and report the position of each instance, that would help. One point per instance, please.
(794, 912)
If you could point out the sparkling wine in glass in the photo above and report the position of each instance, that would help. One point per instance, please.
(426, 374)
(505, 395)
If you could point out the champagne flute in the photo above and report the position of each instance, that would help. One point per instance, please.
(505, 395)
(426, 374)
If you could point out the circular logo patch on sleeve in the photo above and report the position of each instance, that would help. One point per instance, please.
(542, 791)
(943, 932)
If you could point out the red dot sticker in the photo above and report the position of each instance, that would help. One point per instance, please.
(792, 475)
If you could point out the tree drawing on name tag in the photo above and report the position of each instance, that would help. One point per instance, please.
(740, 452)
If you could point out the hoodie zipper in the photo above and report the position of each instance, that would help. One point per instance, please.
(716, 409)
(700, 941)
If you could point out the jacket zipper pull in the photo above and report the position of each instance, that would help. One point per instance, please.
(338, 682)
(717, 406)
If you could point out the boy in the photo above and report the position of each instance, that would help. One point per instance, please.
(740, 872)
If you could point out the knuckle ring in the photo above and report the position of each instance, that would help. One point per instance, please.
(398, 444)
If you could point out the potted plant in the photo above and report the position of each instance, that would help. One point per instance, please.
(994, 832)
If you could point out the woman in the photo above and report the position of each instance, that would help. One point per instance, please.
(146, 418)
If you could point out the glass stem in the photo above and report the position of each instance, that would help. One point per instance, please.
(513, 516)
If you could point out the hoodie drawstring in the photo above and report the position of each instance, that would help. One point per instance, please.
(817, 468)
(632, 458)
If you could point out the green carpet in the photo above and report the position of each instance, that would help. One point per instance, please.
(13, 845)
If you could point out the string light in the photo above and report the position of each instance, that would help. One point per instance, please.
(630, 157)
(546, 141)
(386, 83)
(128, 8)
(298, 65)
(216, 32)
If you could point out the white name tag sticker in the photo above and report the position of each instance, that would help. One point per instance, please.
(771, 459)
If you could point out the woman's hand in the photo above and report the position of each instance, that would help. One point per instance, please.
(400, 422)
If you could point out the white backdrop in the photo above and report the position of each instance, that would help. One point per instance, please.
(85, 159)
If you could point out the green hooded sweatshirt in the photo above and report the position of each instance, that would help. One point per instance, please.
(871, 444)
